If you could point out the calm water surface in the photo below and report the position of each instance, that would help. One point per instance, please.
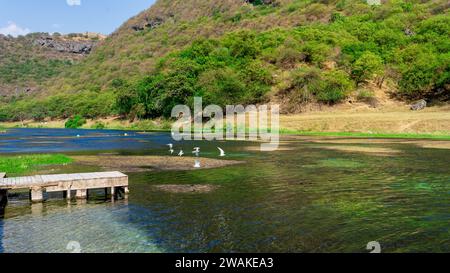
(303, 198)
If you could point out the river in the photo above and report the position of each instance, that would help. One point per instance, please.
(312, 195)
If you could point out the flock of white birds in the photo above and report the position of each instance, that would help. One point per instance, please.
(196, 152)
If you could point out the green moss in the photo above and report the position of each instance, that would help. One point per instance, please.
(21, 164)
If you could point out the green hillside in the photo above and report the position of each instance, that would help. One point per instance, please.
(26, 62)
(237, 51)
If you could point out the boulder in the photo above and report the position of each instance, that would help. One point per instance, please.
(419, 105)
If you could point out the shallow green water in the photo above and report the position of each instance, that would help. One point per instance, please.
(301, 199)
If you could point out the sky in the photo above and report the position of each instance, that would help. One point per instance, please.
(19, 17)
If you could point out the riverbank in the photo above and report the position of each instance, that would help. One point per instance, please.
(431, 123)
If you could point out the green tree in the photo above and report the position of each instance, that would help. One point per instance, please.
(367, 67)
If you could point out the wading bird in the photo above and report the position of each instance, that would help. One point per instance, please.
(196, 151)
(222, 152)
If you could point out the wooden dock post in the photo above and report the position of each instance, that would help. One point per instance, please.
(81, 194)
(113, 194)
(37, 194)
(126, 192)
(3, 198)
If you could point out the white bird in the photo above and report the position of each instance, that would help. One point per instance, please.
(222, 152)
(170, 146)
(171, 151)
(125, 134)
(197, 164)
(78, 135)
(181, 153)
(196, 151)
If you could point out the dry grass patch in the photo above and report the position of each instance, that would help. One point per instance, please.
(431, 120)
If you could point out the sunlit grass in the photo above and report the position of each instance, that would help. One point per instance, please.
(22, 164)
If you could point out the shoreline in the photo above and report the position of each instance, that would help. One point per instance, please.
(285, 132)
(432, 123)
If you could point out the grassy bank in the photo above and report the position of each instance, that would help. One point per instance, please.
(22, 164)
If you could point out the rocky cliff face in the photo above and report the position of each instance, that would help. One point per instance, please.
(26, 61)
(65, 46)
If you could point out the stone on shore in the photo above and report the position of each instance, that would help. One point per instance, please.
(419, 105)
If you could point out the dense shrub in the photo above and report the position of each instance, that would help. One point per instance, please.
(333, 87)
(222, 71)
(366, 67)
(327, 86)
(75, 122)
(222, 87)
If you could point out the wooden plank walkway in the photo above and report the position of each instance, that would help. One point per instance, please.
(80, 182)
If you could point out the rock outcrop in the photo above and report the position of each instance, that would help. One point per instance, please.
(67, 46)
(150, 23)
(262, 2)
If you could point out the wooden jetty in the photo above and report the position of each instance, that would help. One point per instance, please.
(66, 183)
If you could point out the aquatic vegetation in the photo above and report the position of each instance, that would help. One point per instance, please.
(423, 186)
(352, 208)
(187, 188)
(373, 150)
(340, 163)
(22, 164)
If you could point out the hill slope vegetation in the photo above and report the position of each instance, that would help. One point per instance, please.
(236, 51)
